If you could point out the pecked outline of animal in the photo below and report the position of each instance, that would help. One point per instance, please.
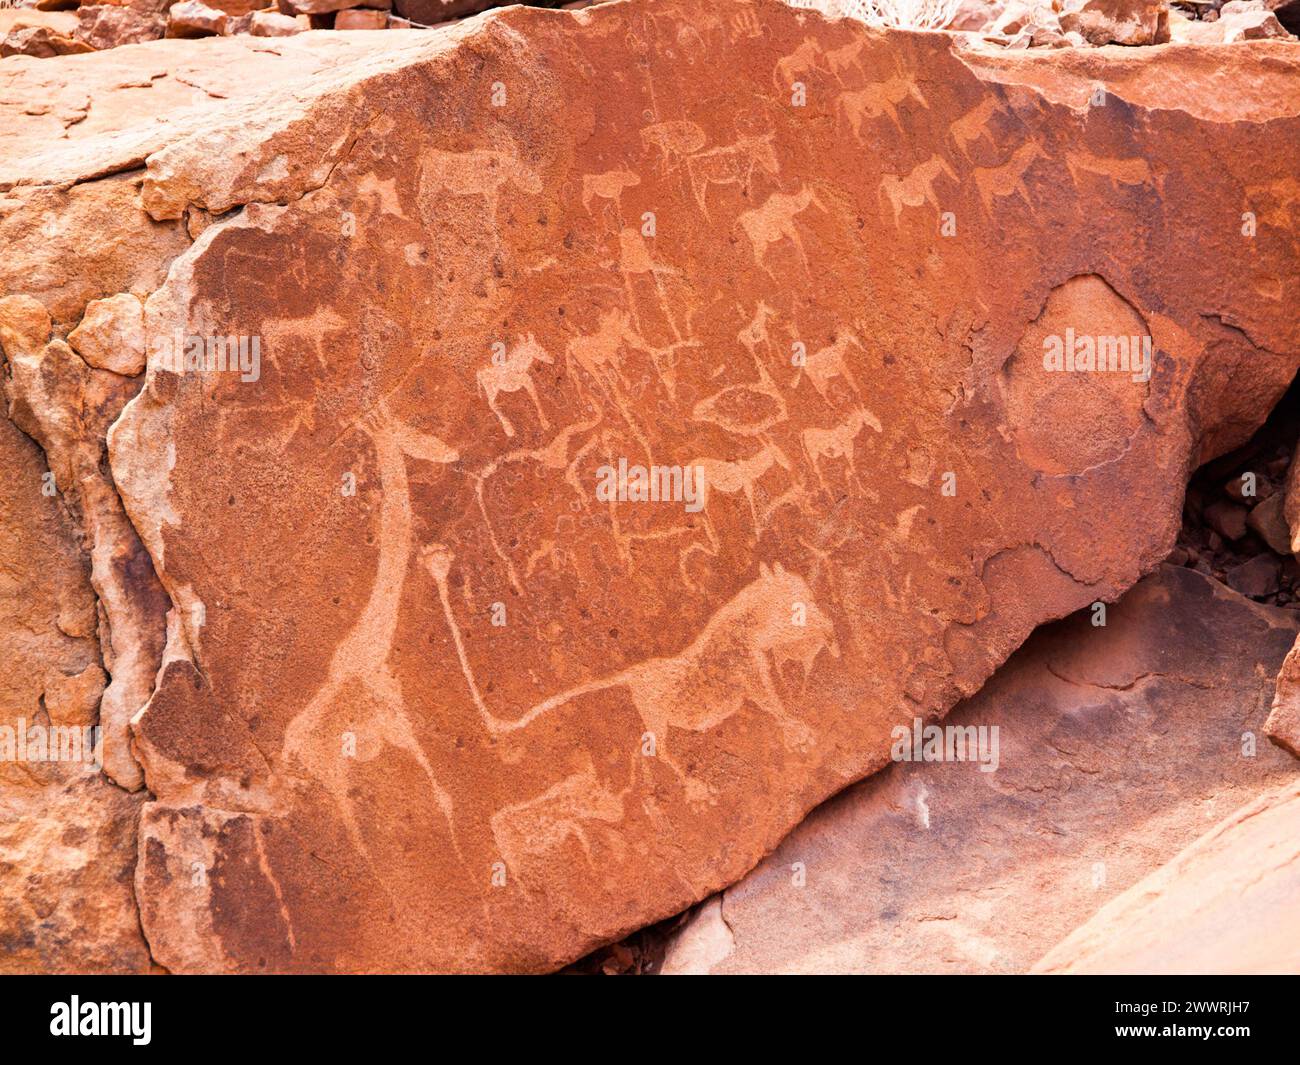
(477, 172)
(1008, 177)
(607, 186)
(740, 476)
(773, 221)
(1131, 171)
(828, 363)
(973, 125)
(731, 164)
(876, 100)
(916, 188)
(511, 376)
(837, 442)
(361, 658)
(675, 140)
(724, 667)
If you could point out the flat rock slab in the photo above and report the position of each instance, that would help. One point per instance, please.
(1226, 904)
(430, 701)
(1117, 746)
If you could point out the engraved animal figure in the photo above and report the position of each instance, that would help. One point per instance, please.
(774, 221)
(917, 187)
(1009, 177)
(741, 476)
(876, 100)
(479, 172)
(731, 165)
(727, 665)
(973, 125)
(755, 333)
(360, 679)
(797, 65)
(837, 442)
(535, 827)
(635, 260)
(597, 356)
(1133, 171)
(826, 364)
(673, 140)
(846, 58)
(513, 374)
(607, 186)
(597, 353)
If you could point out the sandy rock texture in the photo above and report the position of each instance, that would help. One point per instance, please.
(1226, 904)
(427, 700)
(1117, 746)
(67, 835)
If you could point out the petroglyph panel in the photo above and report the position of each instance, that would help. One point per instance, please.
(470, 717)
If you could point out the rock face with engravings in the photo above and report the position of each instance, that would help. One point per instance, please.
(433, 699)
(1093, 755)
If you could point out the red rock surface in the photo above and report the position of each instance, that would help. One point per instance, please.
(1117, 746)
(352, 767)
(1226, 904)
(67, 836)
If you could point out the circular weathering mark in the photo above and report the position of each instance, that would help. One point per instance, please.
(1075, 387)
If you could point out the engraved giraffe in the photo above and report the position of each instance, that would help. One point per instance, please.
(361, 659)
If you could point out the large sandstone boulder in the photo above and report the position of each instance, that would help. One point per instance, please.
(1116, 745)
(1226, 904)
(429, 701)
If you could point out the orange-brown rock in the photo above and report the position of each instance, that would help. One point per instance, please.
(361, 19)
(428, 700)
(324, 7)
(79, 251)
(430, 12)
(1226, 904)
(40, 42)
(67, 406)
(109, 25)
(190, 18)
(67, 836)
(1117, 21)
(533, 821)
(1115, 747)
(274, 24)
(1283, 726)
